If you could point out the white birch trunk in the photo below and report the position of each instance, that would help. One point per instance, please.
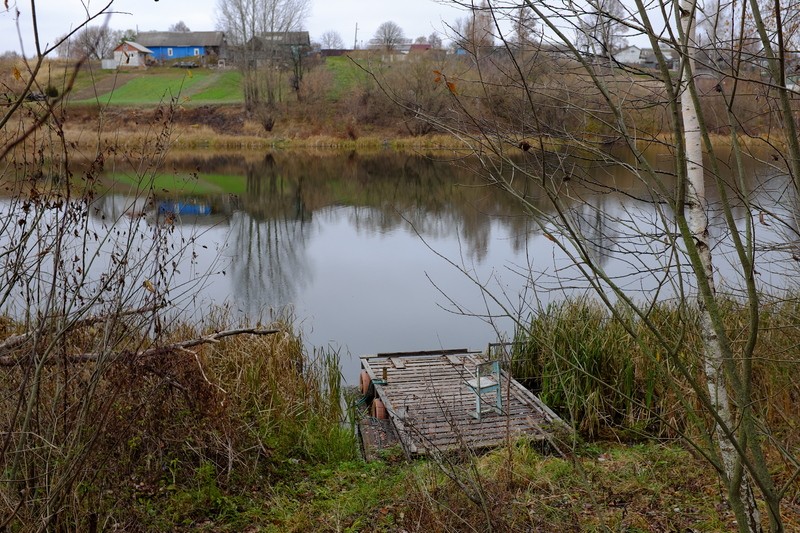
(697, 219)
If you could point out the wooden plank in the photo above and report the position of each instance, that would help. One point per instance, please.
(405, 439)
(455, 360)
(398, 363)
(423, 352)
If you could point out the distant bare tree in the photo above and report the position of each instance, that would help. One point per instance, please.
(94, 42)
(421, 40)
(524, 25)
(389, 35)
(601, 29)
(243, 21)
(180, 26)
(435, 41)
(66, 50)
(331, 40)
(474, 33)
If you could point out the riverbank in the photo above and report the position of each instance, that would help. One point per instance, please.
(228, 128)
(245, 434)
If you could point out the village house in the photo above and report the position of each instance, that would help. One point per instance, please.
(132, 54)
(630, 55)
(643, 57)
(202, 46)
(276, 48)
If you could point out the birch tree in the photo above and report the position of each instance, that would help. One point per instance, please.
(696, 231)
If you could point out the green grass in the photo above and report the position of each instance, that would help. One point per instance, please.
(225, 88)
(152, 88)
(183, 183)
(346, 75)
(193, 87)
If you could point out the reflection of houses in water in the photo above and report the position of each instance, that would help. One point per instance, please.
(184, 207)
(209, 211)
(117, 206)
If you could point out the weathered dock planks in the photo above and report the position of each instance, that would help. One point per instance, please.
(430, 405)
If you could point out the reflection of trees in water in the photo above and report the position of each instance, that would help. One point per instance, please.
(388, 190)
(591, 222)
(269, 238)
(392, 191)
(269, 261)
(776, 225)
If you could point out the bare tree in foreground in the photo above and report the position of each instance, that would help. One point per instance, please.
(532, 133)
(90, 297)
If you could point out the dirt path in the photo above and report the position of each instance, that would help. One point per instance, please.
(203, 84)
(105, 85)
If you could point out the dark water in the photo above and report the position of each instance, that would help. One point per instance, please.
(392, 252)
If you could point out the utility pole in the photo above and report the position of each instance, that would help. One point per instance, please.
(355, 40)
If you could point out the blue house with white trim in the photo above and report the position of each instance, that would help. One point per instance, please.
(197, 45)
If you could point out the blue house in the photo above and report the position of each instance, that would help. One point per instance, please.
(197, 45)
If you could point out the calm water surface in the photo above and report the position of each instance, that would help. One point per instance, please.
(393, 252)
(368, 253)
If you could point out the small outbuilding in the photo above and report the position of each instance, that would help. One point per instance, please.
(132, 54)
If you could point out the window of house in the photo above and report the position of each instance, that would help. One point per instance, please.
(169, 52)
(197, 51)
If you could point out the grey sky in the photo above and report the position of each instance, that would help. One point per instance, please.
(56, 17)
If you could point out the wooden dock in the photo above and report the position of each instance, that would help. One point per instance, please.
(430, 405)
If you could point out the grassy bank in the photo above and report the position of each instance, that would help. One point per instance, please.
(249, 435)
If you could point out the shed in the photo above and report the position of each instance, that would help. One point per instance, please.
(168, 45)
(132, 54)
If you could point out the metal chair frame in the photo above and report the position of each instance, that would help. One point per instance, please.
(487, 380)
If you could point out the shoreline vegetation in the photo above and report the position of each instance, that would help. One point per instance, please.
(246, 434)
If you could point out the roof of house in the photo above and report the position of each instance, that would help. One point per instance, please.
(284, 38)
(181, 38)
(135, 45)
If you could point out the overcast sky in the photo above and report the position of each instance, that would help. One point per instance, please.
(55, 17)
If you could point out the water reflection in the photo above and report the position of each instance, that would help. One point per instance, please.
(371, 251)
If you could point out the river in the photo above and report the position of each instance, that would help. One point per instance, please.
(397, 252)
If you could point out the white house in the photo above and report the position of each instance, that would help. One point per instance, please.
(131, 54)
(630, 55)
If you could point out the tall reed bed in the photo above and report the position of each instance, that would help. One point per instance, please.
(586, 365)
(173, 436)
